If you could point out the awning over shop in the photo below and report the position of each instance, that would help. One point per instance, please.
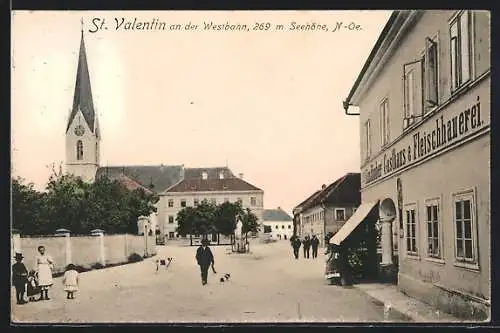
(359, 215)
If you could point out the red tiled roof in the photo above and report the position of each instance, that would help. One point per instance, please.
(208, 185)
(132, 184)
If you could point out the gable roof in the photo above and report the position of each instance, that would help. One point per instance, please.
(132, 184)
(212, 173)
(82, 99)
(343, 191)
(309, 198)
(160, 177)
(212, 185)
(276, 215)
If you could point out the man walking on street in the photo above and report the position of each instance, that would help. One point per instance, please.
(205, 258)
(314, 245)
(307, 246)
(295, 241)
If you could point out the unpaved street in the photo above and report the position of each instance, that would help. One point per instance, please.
(267, 285)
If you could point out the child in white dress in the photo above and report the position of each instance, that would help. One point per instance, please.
(70, 281)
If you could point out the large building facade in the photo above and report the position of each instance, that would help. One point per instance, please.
(424, 110)
(215, 185)
(176, 185)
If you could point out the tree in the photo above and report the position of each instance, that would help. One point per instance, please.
(29, 209)
(205, 214)
(226, 216)
(249, 223)
(186, 221)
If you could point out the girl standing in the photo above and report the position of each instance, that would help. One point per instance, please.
(45, 264)
(70, 281)
(33, 288)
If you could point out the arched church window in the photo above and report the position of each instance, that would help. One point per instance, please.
(79, 150)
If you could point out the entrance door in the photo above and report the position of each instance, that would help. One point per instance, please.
(214, 237)
(171, 234)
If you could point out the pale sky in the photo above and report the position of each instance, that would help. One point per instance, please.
(268, 102)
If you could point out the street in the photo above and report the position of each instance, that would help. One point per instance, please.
(267, 285)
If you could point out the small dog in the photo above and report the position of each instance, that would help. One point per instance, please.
(163, 262)
(225, 277)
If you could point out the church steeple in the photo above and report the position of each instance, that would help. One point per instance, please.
(82, 99)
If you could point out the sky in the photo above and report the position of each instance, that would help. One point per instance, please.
(266, 102)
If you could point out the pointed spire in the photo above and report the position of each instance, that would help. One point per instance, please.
(82, 99)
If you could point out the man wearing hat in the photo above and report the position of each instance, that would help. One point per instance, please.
(19, 278)
(205, 258)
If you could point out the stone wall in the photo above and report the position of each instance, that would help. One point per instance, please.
(84, 251)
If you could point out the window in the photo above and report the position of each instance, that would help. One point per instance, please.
(384, 121)
(289, 227)
(411, 230)
(282, 227)
(409, 98)
(253, 201)
(79, 150)
(276, 227)
(213, 201)
(431, 98)
(368, 136)
(170, 203)
(339, 214)
(171, 234)
(170, 219)
(183, 203)
(460, 48)
(464, 217)
(196, 202)
(432, 221)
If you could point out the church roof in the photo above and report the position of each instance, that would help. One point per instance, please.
(212, 185)
(160, 177)
(276, 215)
(82, 99)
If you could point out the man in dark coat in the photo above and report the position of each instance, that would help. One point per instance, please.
(205, 258)
(19, 278)
(306, 246)
(295, 241)
(314, 245)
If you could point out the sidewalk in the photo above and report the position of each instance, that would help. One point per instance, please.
(398, 305)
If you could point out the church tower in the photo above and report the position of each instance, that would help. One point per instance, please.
(82, 130)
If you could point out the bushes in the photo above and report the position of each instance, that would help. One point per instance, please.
(97, 265)
(134, 257)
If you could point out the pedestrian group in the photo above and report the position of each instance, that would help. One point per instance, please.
(38, 280)
(307, 243)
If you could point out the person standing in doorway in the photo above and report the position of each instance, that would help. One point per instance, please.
(204, 258)
(314, 245)
(19, 278)
(306, 246)
(44, 264)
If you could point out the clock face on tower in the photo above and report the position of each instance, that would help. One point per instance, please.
(79, 130)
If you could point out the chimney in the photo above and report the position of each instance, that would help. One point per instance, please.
(240, 175)
(204, 175)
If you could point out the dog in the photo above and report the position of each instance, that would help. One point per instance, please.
(163, 262)
(225, 277)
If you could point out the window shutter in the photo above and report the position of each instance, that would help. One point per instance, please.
(430, 73)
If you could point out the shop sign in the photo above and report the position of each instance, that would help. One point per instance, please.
(445, 129)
